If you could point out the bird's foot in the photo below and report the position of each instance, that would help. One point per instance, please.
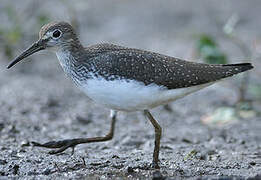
(61, 145)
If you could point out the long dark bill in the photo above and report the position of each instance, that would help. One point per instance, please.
(37, 46)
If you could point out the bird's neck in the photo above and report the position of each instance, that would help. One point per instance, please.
(69, 54)
(66, 59)
(69, 57)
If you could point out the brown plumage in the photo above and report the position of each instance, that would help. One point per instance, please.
(149, 67)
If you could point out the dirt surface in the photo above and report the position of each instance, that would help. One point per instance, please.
(38, 103)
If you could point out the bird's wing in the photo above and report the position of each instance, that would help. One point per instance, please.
(103, 48)
(166, 71)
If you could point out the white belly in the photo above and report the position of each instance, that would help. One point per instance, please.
(132, 95)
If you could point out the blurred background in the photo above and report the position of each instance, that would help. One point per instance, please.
(37, 102)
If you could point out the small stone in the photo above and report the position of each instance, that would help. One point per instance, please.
(84, 120)
(252, 163)
(24, 143)
(2, 126)
(115, 157)
(3, 162)
(47, 171)
(157, 176)
(130, 169)
(15, 169)
(52, 102)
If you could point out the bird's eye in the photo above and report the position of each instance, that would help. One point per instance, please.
(57, 33)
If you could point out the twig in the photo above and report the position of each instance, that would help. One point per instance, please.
(229, 31)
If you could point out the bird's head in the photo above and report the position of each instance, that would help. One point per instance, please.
(53, 36)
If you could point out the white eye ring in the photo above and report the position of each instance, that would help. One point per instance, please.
(57, 34)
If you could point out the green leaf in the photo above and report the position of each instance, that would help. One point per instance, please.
(190, 155)
(209, 51)
(42, 20)
(14, 35)
(205, 40)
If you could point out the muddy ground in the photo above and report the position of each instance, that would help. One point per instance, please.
(38, 103)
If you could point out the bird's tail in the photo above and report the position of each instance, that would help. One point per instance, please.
(210, 73)
(237, 68)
